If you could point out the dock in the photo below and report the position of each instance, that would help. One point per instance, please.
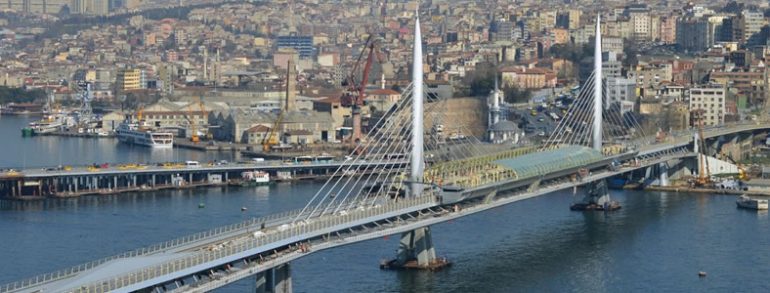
(687, 189)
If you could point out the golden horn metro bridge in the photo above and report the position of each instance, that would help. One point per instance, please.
(215, 258)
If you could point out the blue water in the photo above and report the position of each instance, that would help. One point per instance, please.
(657, 242)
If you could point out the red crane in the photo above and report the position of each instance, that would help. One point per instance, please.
(356, 92)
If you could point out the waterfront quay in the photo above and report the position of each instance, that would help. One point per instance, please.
(106, 179)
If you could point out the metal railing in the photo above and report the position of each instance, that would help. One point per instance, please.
(64, 273)
(309, 229)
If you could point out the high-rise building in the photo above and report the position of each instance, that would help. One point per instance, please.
(302, 44)
(34, 6)
(694, 35)
(708, 102)
(668, 29)
(751, 24)
(503, 30)
(130, 79)
(90, 7)
(574, 18)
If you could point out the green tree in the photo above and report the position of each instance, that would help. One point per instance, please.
(514, 94)
(20, 95)
(482, 80)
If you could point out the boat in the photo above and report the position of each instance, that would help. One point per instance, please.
(136, 133)
(746, 202)
(253, 178)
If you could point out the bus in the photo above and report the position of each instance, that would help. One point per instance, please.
(324, 159)
(303, 160)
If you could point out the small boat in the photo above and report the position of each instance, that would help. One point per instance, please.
(746, 202)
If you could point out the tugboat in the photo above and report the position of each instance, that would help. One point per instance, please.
(597, 198)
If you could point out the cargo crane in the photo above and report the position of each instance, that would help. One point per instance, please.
(356, 91)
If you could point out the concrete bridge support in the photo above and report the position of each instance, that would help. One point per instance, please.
(663, 174)
(416, 249)
(275, 280)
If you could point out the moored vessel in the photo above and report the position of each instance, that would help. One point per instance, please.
(136, 133)
(253, 178)
(746, 202)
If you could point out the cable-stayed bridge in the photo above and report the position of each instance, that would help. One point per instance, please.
(442, 182)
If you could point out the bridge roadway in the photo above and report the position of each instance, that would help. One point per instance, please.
(180, 168)
(647, 145)
(213, 259)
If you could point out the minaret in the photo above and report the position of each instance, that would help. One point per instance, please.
(206, 64)
(417, 163)
(291, 102)
(494, 111)
(597, 129)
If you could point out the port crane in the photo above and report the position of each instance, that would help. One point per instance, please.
(356, 92)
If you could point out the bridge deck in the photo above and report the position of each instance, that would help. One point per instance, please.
(186, 258)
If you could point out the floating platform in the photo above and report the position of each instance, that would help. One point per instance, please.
(436, 265)
(612, 206)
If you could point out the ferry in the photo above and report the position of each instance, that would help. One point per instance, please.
(254, 178)
(746, 202)
(134, 133)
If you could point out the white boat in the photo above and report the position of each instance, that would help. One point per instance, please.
(753, 204)
(255, 178)
(133, 133)
(42, 127)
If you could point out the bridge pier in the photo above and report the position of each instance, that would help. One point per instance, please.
(416, 251)
(663, 170)
(275, 280)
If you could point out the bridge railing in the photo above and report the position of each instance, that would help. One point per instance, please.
(64, 273)
(300, 231)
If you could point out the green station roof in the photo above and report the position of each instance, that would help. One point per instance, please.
(539, 163)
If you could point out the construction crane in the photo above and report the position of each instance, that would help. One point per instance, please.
(205, 115)
(270, 138)
(356, 91)
(194, 136)
(704, 174)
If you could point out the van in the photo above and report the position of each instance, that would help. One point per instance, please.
(192, 164)
(256, 160)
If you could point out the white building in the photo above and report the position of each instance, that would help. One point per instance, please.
(621, 90)
(710, 99)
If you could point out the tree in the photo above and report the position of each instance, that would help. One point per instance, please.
(20, 95)
(482, 79)
(514, 94)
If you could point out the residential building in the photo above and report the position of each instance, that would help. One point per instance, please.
(302, 44)
(708, 103)
(528, 78)
(694, 35)
(130, 79)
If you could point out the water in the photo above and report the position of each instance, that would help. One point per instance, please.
(657, 242)
(47, 151)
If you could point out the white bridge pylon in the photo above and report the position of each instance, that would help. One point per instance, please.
(592, 119)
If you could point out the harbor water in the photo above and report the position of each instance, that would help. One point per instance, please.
(657, 242)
